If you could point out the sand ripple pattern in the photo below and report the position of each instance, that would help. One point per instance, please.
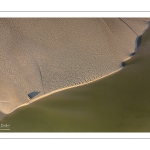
(49, 54)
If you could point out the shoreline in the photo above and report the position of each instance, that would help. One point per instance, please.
(66, 88)
(69, 87)
(82, 84)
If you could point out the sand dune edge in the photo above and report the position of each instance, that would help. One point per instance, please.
(72, 86)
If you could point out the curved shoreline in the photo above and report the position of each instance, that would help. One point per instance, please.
(66, 88)
(69, 87)
(63, 89)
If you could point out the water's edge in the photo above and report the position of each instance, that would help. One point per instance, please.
(137, 44)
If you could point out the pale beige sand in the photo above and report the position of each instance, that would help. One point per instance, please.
(49, 55)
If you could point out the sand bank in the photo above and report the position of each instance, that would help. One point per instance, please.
(50, 55)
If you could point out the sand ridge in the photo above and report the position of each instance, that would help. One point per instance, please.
(50, 55)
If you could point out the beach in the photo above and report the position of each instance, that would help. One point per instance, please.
(118, 102)
(46, 56)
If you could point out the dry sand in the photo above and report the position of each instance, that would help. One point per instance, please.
(49, 55)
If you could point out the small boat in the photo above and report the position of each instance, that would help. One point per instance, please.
(32, 95)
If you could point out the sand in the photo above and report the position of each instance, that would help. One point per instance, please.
(117, 103)
(50, 55)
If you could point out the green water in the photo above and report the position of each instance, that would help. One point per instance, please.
(117, 103)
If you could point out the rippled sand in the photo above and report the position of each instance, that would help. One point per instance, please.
(46, 55)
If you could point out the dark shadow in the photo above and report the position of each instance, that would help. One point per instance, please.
(132, 54)
(138, 41)
(33, 94)
(123, 64)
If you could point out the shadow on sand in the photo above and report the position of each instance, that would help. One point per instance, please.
(33, 94)
(123, 64)
(138, 42)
